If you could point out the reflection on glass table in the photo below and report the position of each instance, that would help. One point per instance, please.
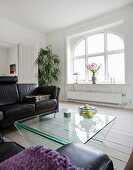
(58, 129)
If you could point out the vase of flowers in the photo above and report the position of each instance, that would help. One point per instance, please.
(93, 67)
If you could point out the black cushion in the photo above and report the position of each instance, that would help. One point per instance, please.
(8, 79)
(16, 111)
(29, 99)
(47, 104)
(82, 156)
(9, 149)
(26, 90)
(8, 94)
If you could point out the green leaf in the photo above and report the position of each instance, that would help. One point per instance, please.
(48, 66)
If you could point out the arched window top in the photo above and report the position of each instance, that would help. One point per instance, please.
(80, 48)
(114, 42)
(95, 43)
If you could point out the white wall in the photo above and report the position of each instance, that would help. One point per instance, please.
(3, 61)
(14, 34)
(58, 40)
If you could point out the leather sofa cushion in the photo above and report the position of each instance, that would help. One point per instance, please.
(44, 105)
(8, 94)
(26, 90)
(17, 111)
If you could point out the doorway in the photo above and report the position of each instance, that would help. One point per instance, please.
(8, 59)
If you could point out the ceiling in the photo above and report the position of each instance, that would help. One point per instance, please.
(49, 15)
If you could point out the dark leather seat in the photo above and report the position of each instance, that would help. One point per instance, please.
(17, 110)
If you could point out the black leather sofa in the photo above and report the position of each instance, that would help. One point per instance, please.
(80, 155)
(13, 102)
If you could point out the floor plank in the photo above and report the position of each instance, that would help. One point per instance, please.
(109, 151)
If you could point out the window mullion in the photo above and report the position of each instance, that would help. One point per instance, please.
(78, 57)
(115, 52)
(106, 56)
(95, 54)
(86, 60)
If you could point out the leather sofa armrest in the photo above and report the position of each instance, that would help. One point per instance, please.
(9, 149)
(84, 156)
(54, 92)
(1, 115)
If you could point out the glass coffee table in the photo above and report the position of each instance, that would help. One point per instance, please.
(55, 129)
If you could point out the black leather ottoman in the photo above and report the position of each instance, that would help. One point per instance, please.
(82, 156)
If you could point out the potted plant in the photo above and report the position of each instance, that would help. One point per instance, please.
(48, 66)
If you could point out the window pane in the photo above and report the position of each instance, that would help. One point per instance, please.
(80, 48)
(114, 42)
(95, 43)
(79, 67)
(99, 60)
(116, 67)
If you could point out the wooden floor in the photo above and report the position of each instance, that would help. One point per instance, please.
(118, 143)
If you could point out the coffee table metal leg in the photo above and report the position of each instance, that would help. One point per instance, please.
(1, 134)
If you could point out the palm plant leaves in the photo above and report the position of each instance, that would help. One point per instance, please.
(48, 66)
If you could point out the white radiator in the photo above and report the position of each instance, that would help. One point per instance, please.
(112, 98)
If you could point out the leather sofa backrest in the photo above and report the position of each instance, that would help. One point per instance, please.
(8, 79)
(8, 94)
(26, 90)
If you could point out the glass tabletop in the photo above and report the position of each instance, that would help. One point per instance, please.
(58, 128)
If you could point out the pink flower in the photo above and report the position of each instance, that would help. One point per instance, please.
(93, 67)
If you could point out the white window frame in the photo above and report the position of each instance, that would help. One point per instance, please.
(105, 54)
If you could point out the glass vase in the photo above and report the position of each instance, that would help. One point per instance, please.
(93, 78)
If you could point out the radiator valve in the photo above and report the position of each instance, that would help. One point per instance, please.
(123, 95)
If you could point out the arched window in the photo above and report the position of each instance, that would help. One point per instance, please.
(103, 48)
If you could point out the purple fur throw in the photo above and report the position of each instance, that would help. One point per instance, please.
(38, 158)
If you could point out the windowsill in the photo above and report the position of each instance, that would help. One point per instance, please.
(98, 83)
